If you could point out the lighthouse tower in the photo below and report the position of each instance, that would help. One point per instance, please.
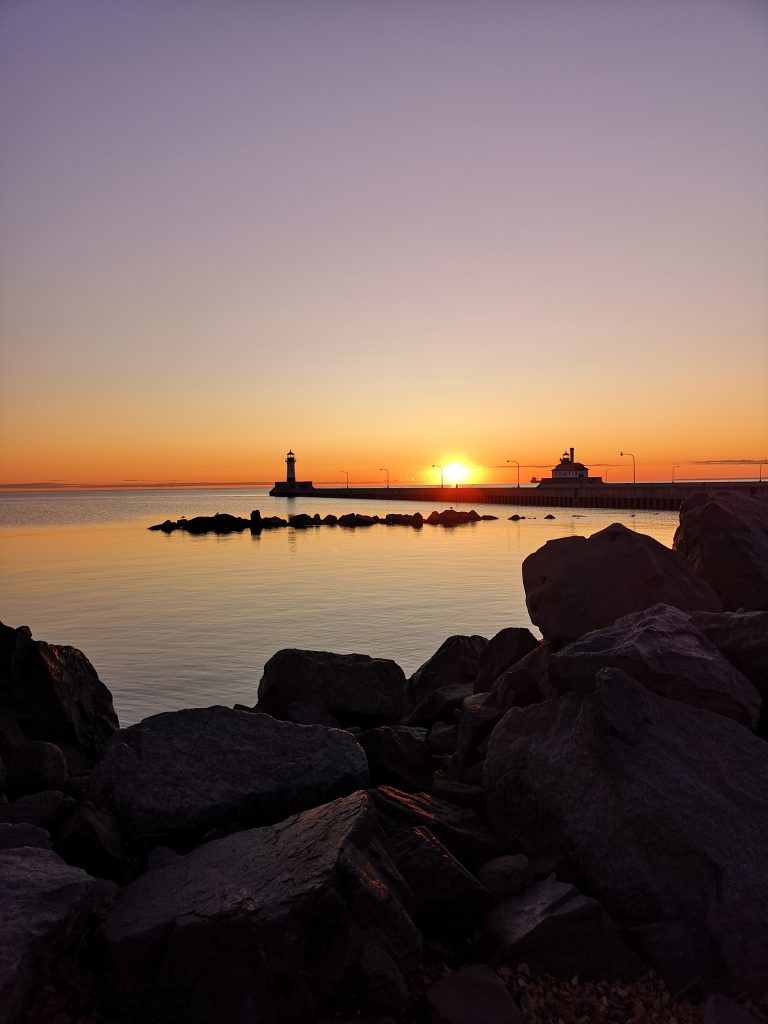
(290, 474)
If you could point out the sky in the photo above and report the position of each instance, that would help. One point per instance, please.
(382, 233)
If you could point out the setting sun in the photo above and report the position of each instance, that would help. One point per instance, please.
(455, 473)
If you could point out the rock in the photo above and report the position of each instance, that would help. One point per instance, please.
(651, 797)
(549, 516)
(472, 995)
(36, 766)
(301, 521)
(449, 902)
(330, 519)
(398, 756)
(660, 648)
(54, 692)
(526, 682)
(305, 712)
(574, 585)
(742, 638)
(506, 876)
(720, 1010)
(47, 908)
(180, 773)
(442, 738)
(557, 930)
(500, 653)
(350, 686)
(166, 527)
(455, 662)
(90, 839)
(267, 924)
(724, 537)
(479, 714)
(458, 793)
(220, 523)
(460, 829)
(440, 704)
(46, 810)
(12, 836)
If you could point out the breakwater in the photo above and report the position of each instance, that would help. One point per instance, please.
(648, 496)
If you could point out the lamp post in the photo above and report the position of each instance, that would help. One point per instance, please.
(516, 463)
(760, 473)
(673, 472)
(382, 470)
(346, 474)
(606, 473)
(434, 466)
(631, 456)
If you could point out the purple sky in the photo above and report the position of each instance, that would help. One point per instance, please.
(433, 224)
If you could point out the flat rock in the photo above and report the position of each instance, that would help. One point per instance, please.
(46, 907)
(558, 931)
(270, 924)
(651, 798)
(398, 756)
(501, 652)
(472, 995)
(662, 649)
(350, 686)
(12, 836)
(724, 537)
(455, 662)
(181, 773)
(576, 584)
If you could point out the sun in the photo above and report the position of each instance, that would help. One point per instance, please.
(455, 472)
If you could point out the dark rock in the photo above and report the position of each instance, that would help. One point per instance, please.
(36, 766)
(681, 954)
(399, 756)
(47, 908)
(526, 682)
(660, 648)
(180, 773)
(720, 1010)
(273, 523)
(458, 793)
(449, 902)
(268, 924)
(442, 738)
(166, 527)
(549, 516)
(300, 521)
(489, 518)
(506, 876)
(724, 537)
(557, 930)
(220, 523)
(330, 519)
(54, 692)
(305, 712)
(460, 829)
(12, 836)
(500, 653)
(350, 686)
(651, 797)
(440, 704)
(479, 714)
(90, 839)
(742, 638)
(472, 995)
(455, 662)
(574, 585)
(403, 519)
(46, 809)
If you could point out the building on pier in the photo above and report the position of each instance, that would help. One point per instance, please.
(568, 470)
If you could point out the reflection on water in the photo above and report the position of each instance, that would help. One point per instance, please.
(178, 620)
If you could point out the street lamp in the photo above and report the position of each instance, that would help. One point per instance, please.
(606, 473)
(631, 456)
(346, 474)
(382, 470)
(434, 466)
(673, 472)
(760, 474)
(516, 463)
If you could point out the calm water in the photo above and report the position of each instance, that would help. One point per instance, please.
(175, 621)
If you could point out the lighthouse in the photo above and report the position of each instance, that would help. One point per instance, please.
(290, 487)
(290, 472)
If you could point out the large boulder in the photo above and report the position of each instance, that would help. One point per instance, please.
(662, 649)
(350, 686)
(724, 537)
(398, 755)
(46, 908)
(502, 652)
(54, 692)
(742, 639)
(576, 584)
(271, 924)
(662, 806)
(456, 661)
(177, 774)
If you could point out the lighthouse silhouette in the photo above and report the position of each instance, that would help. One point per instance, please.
(290, 472)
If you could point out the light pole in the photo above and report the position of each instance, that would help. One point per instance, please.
(382, 470)
(673, 472)
(434, 466)
(516, 463)
(760, 474)
(631, 456)
(606, 473)
(346, 474)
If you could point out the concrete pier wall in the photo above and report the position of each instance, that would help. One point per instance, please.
(658, 497)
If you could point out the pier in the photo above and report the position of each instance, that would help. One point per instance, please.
(646, 496)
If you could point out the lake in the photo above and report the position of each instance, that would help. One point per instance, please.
(175, 620)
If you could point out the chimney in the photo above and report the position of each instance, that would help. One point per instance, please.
(571, 454)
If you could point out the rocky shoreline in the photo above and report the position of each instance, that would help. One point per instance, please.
(222, 522)
(571, 828)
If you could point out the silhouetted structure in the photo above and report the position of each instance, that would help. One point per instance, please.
(569, 471)
(291, 485)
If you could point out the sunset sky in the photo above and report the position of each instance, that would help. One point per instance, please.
(383, 234)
